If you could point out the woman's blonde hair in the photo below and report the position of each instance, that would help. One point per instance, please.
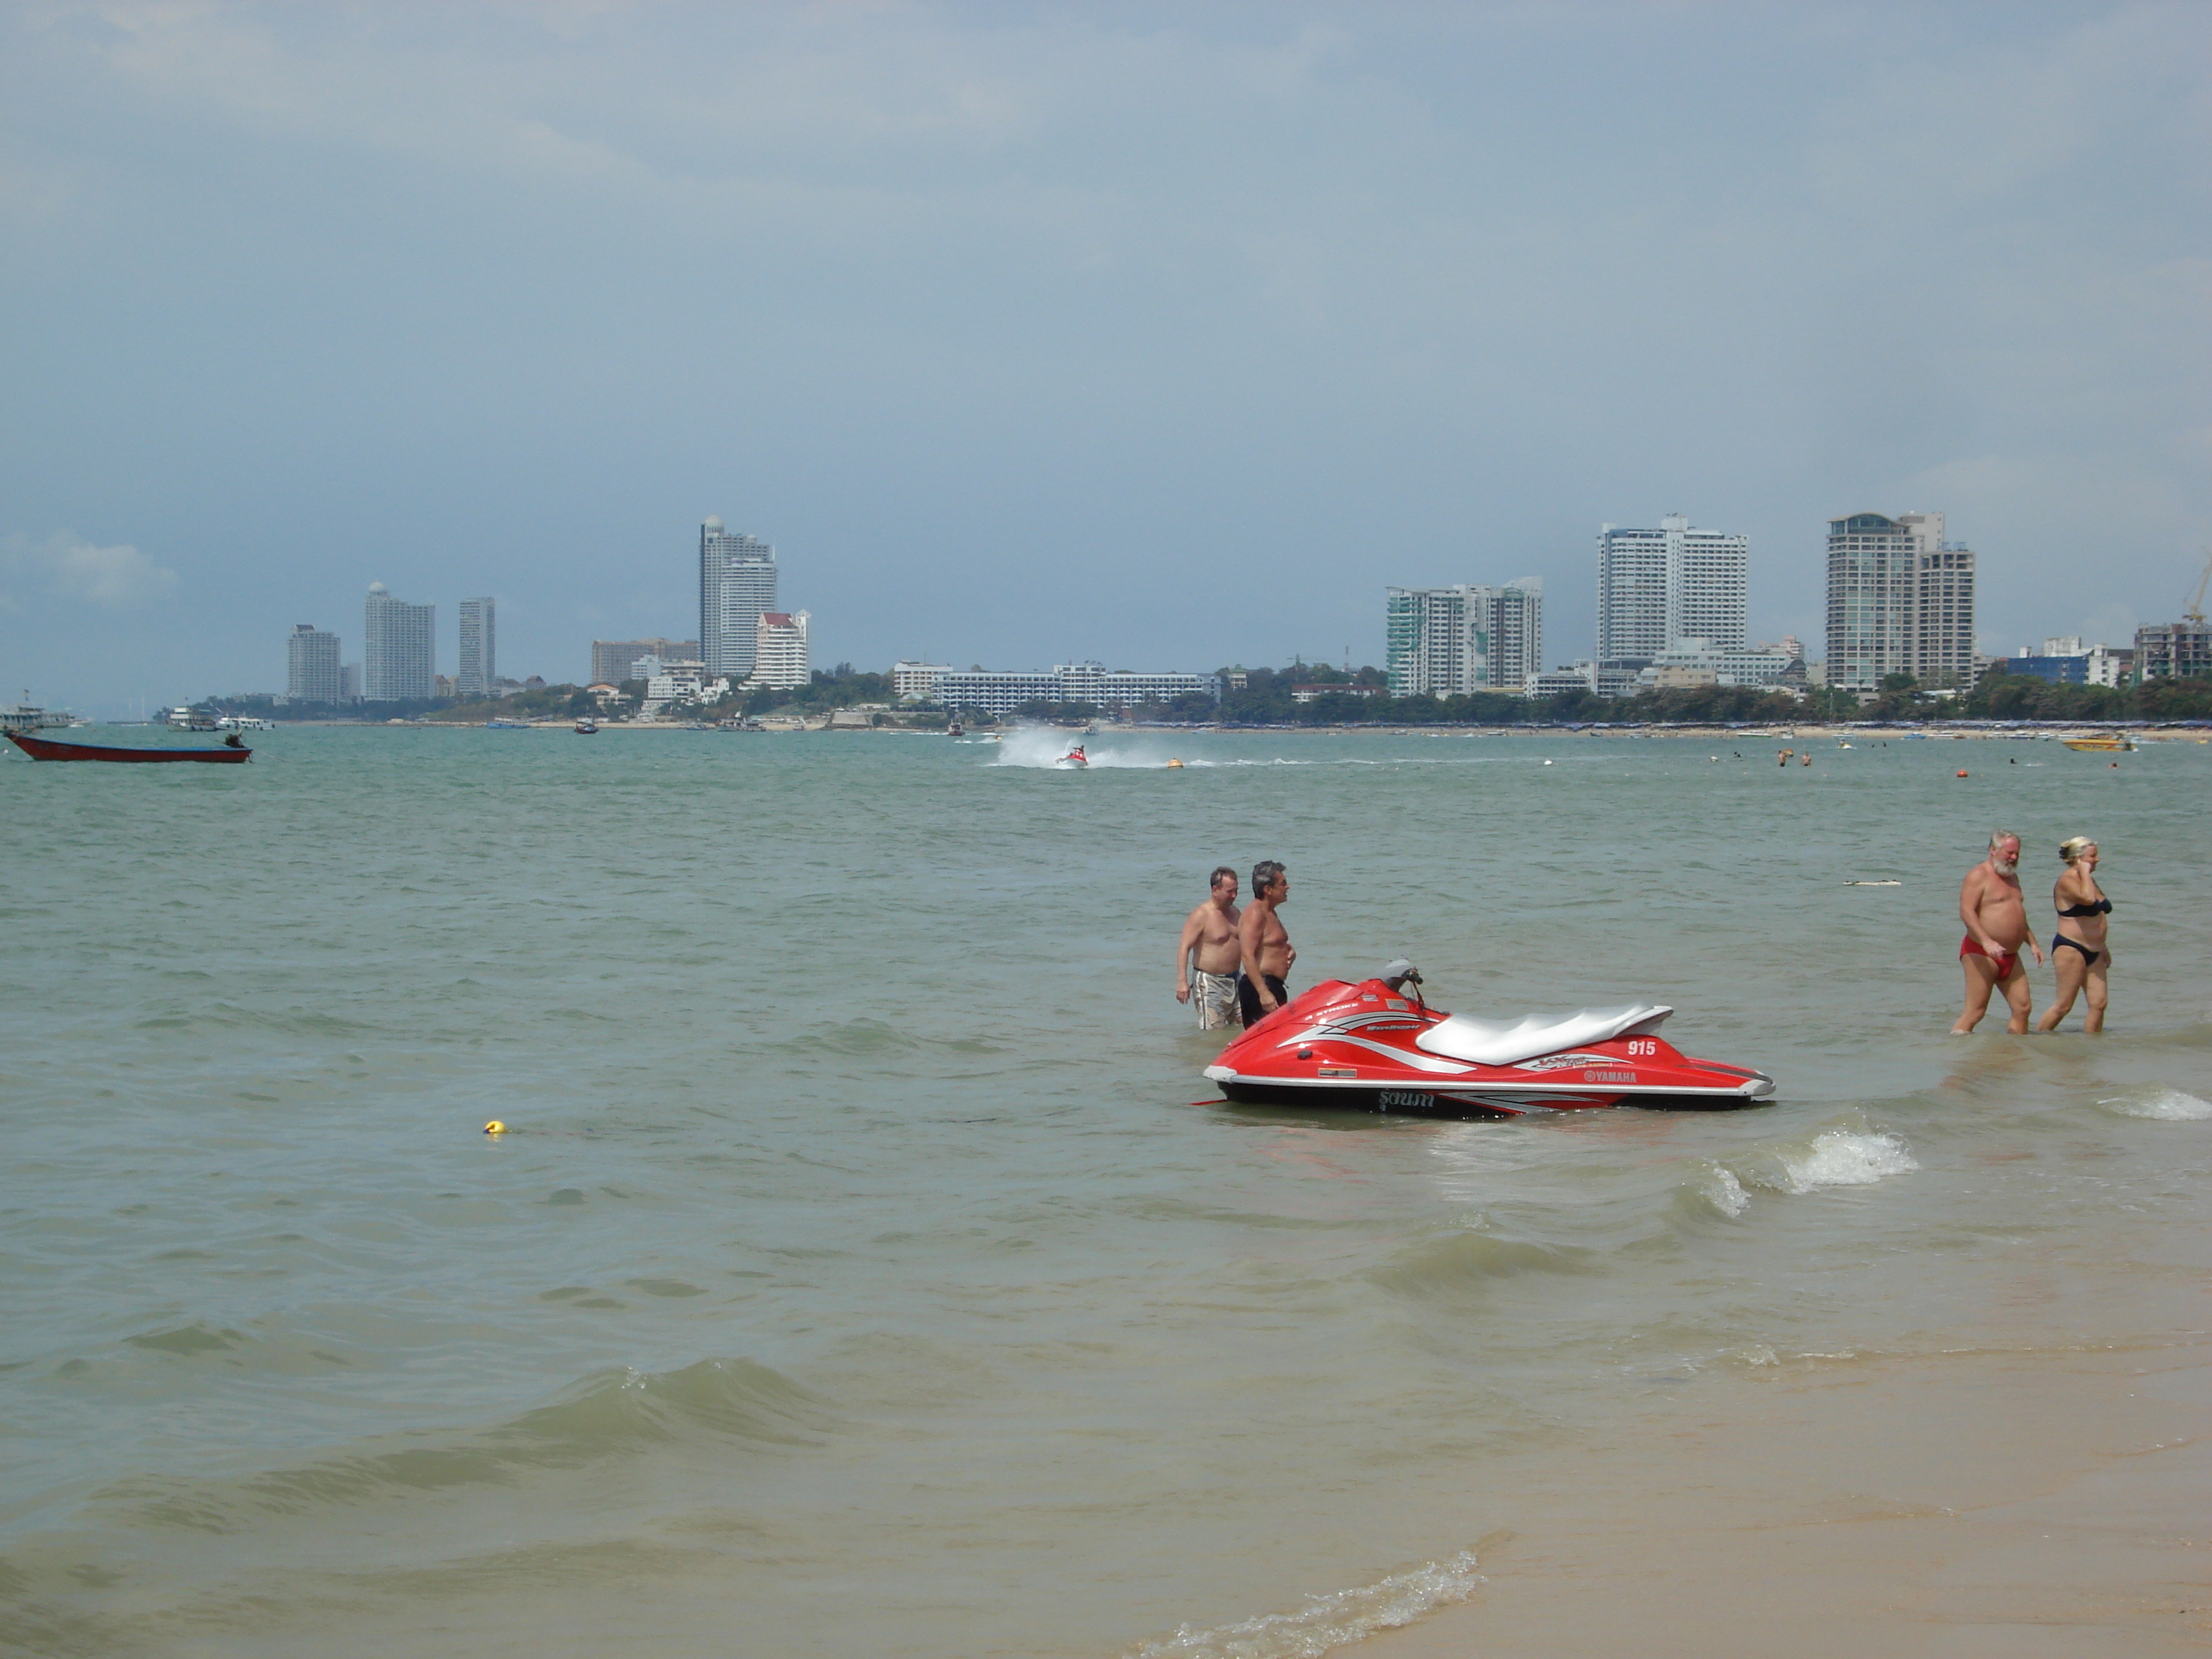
(2071, 849)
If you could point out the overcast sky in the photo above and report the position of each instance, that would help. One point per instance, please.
(1166, 335)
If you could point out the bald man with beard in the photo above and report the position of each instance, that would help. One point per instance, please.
(1996, 915)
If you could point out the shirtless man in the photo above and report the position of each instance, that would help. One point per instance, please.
(1996, 926)
(1264, 948)
(1210, 930)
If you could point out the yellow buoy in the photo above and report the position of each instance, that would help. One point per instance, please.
(494, 1128)
(1176, 764)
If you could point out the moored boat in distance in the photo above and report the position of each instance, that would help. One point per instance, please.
(588, 727)
(51, 749)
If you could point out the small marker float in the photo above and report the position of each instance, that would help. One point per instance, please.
(1962, 771)
(1175, 766)
(494, 1128)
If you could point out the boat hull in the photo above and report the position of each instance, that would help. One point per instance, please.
(46, 749)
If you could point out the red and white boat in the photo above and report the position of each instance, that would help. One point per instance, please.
(1376, 1046)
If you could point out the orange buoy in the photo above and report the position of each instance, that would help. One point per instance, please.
(1962, 771)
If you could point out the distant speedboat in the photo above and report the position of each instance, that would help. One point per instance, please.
(2111, 740)
(588, 727)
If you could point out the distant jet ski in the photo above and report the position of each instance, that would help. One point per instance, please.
(1073, 759)
(1375, 1047)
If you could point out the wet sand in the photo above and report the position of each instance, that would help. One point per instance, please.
(1998, 1505)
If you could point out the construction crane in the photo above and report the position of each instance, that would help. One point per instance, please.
(2194, 610)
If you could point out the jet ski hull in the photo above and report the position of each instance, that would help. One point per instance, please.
(1363, 1048)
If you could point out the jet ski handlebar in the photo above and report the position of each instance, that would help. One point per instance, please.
(1398, 973)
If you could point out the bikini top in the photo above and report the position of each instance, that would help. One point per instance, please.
(2101, 907)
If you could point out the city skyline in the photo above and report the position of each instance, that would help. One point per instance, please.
(1068, 317)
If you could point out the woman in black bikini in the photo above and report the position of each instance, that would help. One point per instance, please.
(2079, 953)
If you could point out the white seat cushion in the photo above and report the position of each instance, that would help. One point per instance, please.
(1508, 1041)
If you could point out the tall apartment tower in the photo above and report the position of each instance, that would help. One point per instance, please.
(780, 656)
(1656, 586)
(312, 674)
(479, 651)
(400, 661)
(1449, 642)
(736, 583)
(1901, 601)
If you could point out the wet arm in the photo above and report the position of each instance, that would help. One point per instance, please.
(1190, 937)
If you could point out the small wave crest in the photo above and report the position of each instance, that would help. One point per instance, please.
(2165, 1105)
(1328, 1621)
(610, 1416)
(1836, 1158)
(1724, 1192)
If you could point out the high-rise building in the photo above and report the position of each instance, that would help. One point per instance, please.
(611, 659)
(736, 583)
(1657, 586)
(780, 657)
(1901, 601)
(400, 663)
(312, 671)
(479, 655)
(1447, 642)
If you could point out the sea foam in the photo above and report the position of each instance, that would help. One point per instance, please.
(2167, 1105)
(1327, 1621)
(1841, 1157)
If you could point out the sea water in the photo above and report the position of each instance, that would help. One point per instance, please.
(867, 1268)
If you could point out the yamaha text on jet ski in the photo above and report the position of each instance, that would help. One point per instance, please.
(1376, 1046)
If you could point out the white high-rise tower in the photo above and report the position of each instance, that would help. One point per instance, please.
(1901, 601)
(1657, 586)
(399, 662)
(736, 583)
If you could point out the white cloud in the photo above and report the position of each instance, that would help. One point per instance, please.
(64, 564)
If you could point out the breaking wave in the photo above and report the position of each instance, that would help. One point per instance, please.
(1327, 1621)
(1834, 1158)
(2166, 1105)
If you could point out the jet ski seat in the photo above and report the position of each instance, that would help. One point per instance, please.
(1509, 1042)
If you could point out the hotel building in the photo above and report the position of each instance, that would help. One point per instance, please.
(996, 691)
(312, 671)
(1656, 586)
(780, 657)
(1449, 642)
(399, 662)
(736, 583)
(479, 666)
(1901, 601)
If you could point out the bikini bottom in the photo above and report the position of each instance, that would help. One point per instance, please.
(2058, 939)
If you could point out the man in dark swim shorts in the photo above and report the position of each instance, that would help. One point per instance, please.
(1266, 947)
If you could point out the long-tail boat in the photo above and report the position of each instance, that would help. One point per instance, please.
(48, 749)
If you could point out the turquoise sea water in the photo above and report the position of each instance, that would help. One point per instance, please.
(859, 1277)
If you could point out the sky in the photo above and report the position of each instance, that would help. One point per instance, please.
(1165, 335)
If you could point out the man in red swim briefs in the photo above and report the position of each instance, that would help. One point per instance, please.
(1990, 905)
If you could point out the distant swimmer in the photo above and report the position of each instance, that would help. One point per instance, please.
(1805, 759)
(1995, 916)
(1211, 930)
(1783, 759)
(2081, 953)
(1264, 948)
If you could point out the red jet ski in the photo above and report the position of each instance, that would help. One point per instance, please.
(1374, 1047)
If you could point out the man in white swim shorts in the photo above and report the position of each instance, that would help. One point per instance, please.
(1211, 932)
